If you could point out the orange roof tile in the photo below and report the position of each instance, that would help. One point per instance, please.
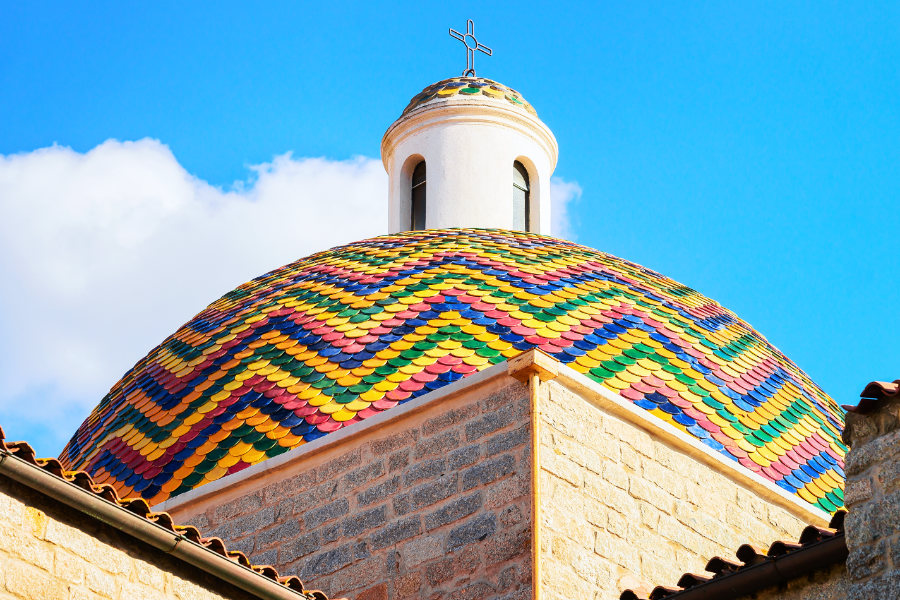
(140, 508)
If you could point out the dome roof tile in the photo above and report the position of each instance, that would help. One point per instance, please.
(337, 337)
(470, 87)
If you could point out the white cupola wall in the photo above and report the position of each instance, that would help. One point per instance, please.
(487, 160)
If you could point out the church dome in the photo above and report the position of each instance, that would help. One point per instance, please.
(469, 88)
(342, 335)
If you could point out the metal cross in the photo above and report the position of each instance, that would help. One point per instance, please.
(471, 46)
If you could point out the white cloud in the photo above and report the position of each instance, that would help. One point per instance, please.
(563, 195)
(104, 253)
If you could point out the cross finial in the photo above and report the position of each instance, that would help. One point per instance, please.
(468, 38)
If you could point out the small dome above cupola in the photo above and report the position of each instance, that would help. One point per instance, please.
(469, 152)
(472, 88)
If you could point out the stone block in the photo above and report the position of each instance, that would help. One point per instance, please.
(882, 587)
(326, 562)
(505, 545)
(490, 423)
(356, 524)
(357, 575)
(330, 533)
(508, 490)
(304, 499)
(867, 560)
(289, 487)
(426, 494)
(317, 516)
(511, 515)
(474, 591)
(379, 492)
(439, 444)
(300, 547)
(508, 440)
(487, 471)
(396, 532)
(339, 465)
(394, 442)
(426, 469)
(553, 460)
(239, 506)
(30, 582)
(866, 453)
(473, 531)
(421, 550)
(137, 591)
(858, 489)
(378, 592)
(450, 418)
(362, 475)
(398, 460)
(439, 571)
(407, 586)
(454, 510)
(463, 457)
(279, 534)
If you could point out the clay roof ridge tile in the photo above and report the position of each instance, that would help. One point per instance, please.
(689, 580)
(722, 566)
(663, 591)
(873, 394)
(781, 547)
(812, 534)
(749, 557)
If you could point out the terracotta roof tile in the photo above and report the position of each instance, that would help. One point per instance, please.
(873, 394)
(139, 507)
(754, 570)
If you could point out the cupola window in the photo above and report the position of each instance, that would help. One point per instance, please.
(521, 198)
(418, 197)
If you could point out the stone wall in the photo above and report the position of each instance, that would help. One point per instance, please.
(872, 497)
(433, 506)
(618, 506)
(49, 551)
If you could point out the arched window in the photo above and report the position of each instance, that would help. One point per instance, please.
(418, 197)
(521, 198)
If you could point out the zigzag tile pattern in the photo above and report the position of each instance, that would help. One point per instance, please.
(342, 335)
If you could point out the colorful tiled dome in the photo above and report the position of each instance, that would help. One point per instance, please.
(339, 336)
(470, 87)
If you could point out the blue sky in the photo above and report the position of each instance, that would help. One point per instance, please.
(749, 151)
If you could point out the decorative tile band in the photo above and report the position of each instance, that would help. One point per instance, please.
(473, 87)
(342, 335)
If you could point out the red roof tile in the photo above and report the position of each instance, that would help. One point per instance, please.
(873, 394)
(139, 507)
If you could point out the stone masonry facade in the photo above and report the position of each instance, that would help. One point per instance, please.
(619, 507)
(872, 496)
(437, 509)
(49, 551)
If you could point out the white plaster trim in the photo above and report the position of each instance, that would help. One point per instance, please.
(623, 408)
(302, 452)
(466, 110)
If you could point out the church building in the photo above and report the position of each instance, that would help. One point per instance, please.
(467, 407)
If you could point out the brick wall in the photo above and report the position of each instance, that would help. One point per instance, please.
(618, 506)
(49, 551)
(434, 506)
